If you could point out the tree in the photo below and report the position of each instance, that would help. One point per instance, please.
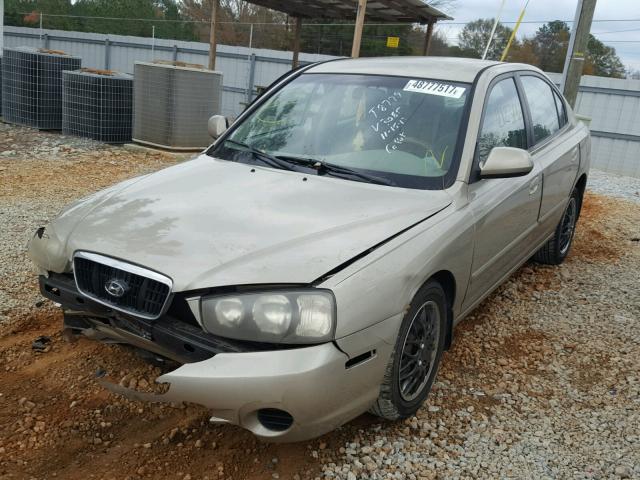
(524, 52)
(475, 35)
(550, 45)
(69, 16)
(130, 11)
(271, 28)
(602, 60)
(26, 13)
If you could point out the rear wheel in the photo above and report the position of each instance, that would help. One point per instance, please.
(414, 362)
(557, 247)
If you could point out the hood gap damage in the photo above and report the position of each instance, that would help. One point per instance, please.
(366, 252)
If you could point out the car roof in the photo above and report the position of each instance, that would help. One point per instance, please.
(437, 68)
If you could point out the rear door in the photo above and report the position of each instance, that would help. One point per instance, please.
(505, 209)
(553, 148)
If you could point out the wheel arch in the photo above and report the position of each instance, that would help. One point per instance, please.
(447, 281)
(581, 186)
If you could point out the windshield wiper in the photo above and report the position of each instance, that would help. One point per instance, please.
(262, 156)
(336, 170)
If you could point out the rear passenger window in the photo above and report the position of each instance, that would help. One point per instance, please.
(503, 123)
(542, 105)
(562, 111)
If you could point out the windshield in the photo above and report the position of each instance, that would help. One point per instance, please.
(399, 129)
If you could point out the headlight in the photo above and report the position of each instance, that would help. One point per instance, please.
(290, 316)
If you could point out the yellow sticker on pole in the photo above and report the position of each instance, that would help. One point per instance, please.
(393, 42)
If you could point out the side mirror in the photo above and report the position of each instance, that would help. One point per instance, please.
(506, 162)
(217, 125)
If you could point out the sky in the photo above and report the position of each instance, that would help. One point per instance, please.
(624, 35)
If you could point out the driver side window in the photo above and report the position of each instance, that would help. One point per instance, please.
(503, 123)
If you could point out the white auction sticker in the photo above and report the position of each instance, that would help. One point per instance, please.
(434, 88)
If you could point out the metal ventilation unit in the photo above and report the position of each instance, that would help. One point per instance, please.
(172, 104)
(32, 86)
(97, 104)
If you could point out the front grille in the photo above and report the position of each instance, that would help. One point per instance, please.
(141, 295)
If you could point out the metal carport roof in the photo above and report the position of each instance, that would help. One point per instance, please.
(392, 11)
(382, 11)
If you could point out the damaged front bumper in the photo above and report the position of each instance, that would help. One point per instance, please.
(281, 395)
(168, 336)
(284, 394)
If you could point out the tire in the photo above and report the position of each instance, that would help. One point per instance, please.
(558, 246)
(398, 397)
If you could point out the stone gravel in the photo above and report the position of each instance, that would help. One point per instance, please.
(42, 172)
(543, 379)
(618, 186)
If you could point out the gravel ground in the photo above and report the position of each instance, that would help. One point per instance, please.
(542, 381)
(618, 186)
(41, 173)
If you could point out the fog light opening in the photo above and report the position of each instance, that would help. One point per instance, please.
(275, 419)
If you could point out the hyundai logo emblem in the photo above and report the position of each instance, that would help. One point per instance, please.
(116, 288)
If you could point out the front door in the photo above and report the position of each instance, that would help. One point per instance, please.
(506, 209)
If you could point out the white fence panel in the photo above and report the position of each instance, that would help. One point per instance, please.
(613, 105)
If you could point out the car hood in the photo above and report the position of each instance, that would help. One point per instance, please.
(209, 222)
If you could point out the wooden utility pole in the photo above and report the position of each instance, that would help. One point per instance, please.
(296, 42)
(427, 38)
(576, 53)
(215, 4)
(357, 34)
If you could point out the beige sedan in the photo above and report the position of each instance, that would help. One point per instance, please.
(312, 263)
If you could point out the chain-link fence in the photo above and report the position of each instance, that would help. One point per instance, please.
(319, 38)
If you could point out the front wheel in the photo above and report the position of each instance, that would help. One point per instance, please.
(416, 356)
(557, 247)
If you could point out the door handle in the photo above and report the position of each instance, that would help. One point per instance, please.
(575, 154)
(534, 185)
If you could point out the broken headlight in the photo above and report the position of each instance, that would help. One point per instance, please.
(291, 316)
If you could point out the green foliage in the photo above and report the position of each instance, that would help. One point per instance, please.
(475, 35)
(550, 45)
(603, 60)
(547, 49)
(24, 13)
(119, 17)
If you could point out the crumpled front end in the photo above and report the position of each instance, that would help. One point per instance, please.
(278, 392)
(283, 395)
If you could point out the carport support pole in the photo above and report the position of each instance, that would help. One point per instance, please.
(212, 34)
(357, 34)
(296, 43)
(427, 38)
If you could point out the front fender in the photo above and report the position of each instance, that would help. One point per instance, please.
(48, 246)
(381, 285)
